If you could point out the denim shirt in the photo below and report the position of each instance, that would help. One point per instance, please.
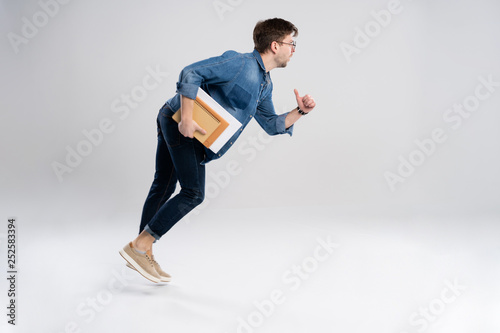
(240, 84)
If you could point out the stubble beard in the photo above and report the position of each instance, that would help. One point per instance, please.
(284, 63)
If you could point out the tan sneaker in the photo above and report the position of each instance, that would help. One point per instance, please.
(142, 263)
(164, 277)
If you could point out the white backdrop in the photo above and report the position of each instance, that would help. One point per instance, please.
(407, 117)
(67, 67)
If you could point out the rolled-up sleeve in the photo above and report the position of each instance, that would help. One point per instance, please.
(270, 122)
(216, 70)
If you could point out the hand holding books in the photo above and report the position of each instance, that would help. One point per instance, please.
(188, 126)
(209, 123)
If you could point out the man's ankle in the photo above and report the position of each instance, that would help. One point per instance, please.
(139, 247)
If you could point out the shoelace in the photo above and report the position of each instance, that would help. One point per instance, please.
(150, 260)
(157, 264)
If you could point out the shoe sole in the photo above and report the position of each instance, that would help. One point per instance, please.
(162, 278)
(139, 269)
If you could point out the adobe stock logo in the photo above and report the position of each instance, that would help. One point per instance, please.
(30, 28)
(122, 107)
(293, 278)
(371, 30)
(89, 309)
(425, 316)
(223, 6)
(454, 116)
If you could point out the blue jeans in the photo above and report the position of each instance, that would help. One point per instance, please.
(178, 158)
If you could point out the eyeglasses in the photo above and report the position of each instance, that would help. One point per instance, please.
(293, 44)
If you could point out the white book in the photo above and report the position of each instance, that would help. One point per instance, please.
(234, 124)
(219, 124)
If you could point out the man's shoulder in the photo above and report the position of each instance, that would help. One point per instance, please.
(232, 54)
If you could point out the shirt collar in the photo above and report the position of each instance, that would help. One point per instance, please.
(257, 56)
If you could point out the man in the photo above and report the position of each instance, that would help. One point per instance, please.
(241, 83)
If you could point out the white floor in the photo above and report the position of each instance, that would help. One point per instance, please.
(269, 270)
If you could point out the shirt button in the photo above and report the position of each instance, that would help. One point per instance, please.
(251, 116)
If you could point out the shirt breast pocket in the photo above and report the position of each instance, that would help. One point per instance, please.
(239, 97)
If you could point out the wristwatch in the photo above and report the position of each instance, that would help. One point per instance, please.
(301, 112)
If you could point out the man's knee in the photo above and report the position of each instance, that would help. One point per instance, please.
(195, 196)
(198, 199)
(192, 198)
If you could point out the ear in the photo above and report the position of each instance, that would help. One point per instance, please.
(274, 47)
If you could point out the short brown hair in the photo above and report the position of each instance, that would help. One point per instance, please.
(268, 31)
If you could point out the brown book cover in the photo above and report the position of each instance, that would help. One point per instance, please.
(208, 119)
